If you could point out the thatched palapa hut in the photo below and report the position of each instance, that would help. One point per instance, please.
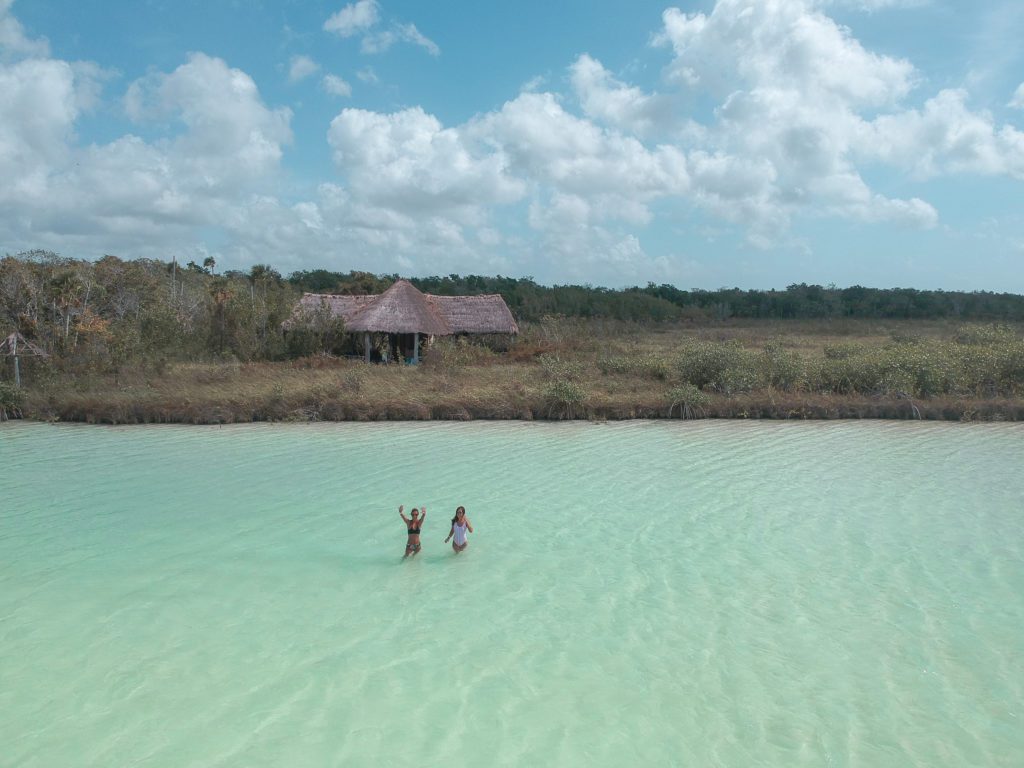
(405, 314)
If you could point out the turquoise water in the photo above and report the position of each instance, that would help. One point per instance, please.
(688, 594)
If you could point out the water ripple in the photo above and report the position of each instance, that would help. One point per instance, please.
(703, 593)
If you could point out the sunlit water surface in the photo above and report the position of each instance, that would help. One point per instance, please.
(641, 594)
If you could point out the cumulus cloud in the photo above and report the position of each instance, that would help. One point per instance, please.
(362, 18)
(799, 95)
(378, 42)
(38, 109)
(1017, 101)
(785, 45)
(228, 127)
(354, 18)
(563, 185)
(130, 193)
(13, 41)
(301, 67)
(409, 162)
(549, 144)
(607, 100)
(944, 137)
(336, 86)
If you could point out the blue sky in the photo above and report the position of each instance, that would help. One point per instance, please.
(740, 142)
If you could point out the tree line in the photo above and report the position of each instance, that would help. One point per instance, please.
(111, 312)
(530, 301)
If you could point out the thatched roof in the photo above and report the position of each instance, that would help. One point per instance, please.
(475, 314)
(400, 309)
(404, 309)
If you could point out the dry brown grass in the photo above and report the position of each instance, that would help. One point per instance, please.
(470, 383)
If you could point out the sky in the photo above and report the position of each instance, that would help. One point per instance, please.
(749, 143)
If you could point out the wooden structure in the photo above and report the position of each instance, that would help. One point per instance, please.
(406, 315)
(15, 345)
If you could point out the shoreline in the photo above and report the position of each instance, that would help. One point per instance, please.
(768, 407)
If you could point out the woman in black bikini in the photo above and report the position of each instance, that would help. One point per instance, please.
(413, 527)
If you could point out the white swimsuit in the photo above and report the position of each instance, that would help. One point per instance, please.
(460, 534)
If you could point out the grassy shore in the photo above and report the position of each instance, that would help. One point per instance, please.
(562, 369)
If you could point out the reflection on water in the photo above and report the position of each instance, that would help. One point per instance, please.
(634, 594)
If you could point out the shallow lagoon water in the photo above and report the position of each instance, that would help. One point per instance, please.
(669, 594)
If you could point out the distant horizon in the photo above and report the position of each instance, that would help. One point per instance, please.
(696, 143)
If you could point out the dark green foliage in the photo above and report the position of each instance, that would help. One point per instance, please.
(316, 332)
(11, 401)
(689, 401)
(724, 367)
(565, 399)
(530, 301)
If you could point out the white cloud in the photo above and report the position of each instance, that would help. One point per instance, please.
(945, 137)
(301, 67)
(129, 194)
(548, 144)
(13, 41)
(801, 97)
(378, 42)
(230, 134)
(533, 84)
(362, 17)
(38, 109)
(606, 99)
(367, 75)
(336, 86)
(354, 18)
(581, 250)
(783, 45)
(563, 185)
(409, 162)
(1017, 101)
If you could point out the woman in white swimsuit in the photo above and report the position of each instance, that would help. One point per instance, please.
(460, 526)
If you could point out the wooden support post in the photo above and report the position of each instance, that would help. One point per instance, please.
(366, 345)
(17, 367)
(416, 348)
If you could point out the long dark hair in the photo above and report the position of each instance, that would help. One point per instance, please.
(457, 513)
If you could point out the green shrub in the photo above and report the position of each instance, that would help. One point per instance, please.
(565, 399)
(995, 333)
(783, 369)
(721, 366)
(559, 368)
(647, 366)
(11, 401)
(688, 399)
(906, 337)
(843, 351)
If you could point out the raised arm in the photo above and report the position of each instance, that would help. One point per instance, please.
(401, 510)
(423, 515)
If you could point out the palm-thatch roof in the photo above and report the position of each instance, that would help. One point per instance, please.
(400, 309)
(404, 309)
